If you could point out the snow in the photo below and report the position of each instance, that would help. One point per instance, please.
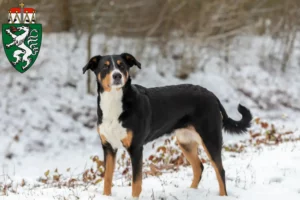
(47, 121)
(269, 173)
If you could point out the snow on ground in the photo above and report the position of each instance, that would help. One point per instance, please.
(47, 122)
(270, 173)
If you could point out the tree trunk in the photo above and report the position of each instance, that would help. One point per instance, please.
(67, 17)
(89, 54)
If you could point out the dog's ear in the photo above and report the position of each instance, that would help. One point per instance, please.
(92, 64)
(130, 60)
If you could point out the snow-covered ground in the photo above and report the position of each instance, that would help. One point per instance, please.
(47, 121)
(271, 173)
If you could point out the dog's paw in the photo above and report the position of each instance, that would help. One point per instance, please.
(106, 193)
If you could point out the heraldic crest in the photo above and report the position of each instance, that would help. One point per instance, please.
(22, 37)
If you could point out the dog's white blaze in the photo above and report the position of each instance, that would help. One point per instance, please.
(113, 62)
(186, 136)
(112, 79)
(111, 128)
(118, 71)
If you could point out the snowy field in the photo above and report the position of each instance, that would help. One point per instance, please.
(48, 133)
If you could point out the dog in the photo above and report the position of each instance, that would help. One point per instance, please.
(131, 115)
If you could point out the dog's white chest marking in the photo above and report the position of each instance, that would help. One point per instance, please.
(111, 128)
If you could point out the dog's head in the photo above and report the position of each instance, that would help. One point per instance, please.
(112, 71)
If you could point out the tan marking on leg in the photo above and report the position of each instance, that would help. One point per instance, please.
(137, 186)
(222, 190)
(190, 151)
(128, 139)
(109, 171)
(103, 139)
(106, 82)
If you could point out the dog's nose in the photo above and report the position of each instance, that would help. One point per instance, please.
(117, 76)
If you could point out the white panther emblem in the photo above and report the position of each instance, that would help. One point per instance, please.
(18, 40)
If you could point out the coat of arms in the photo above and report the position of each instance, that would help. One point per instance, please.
(22, 37)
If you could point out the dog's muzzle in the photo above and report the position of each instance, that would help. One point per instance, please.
(117, 78)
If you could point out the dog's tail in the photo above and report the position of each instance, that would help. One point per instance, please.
(236, 127)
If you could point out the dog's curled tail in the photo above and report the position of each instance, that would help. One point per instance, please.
(236, 127)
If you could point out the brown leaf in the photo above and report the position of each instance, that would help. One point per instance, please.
(162, 148)
(56, 177)
(47, 173)
(257, 120)
(43, 180)
(288, 132)
(154, 171)
(255, 135)
(95, 158)
(98, 181)
(264, 125)
(125, 171)
(16, 138)
(167, 141)
(151, 157)
(72, 180)
(166, 167)
(23, 183)
(123, 155)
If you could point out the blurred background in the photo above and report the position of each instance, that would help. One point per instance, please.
(213, 25)
(245, 51)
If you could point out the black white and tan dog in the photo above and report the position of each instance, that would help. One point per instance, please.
(131, 115)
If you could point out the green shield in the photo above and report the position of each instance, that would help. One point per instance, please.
(22, 43)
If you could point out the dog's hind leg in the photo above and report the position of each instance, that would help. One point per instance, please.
(212, 144)
(188, 141)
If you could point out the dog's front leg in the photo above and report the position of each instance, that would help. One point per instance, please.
(109, 163)
(136, 155)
